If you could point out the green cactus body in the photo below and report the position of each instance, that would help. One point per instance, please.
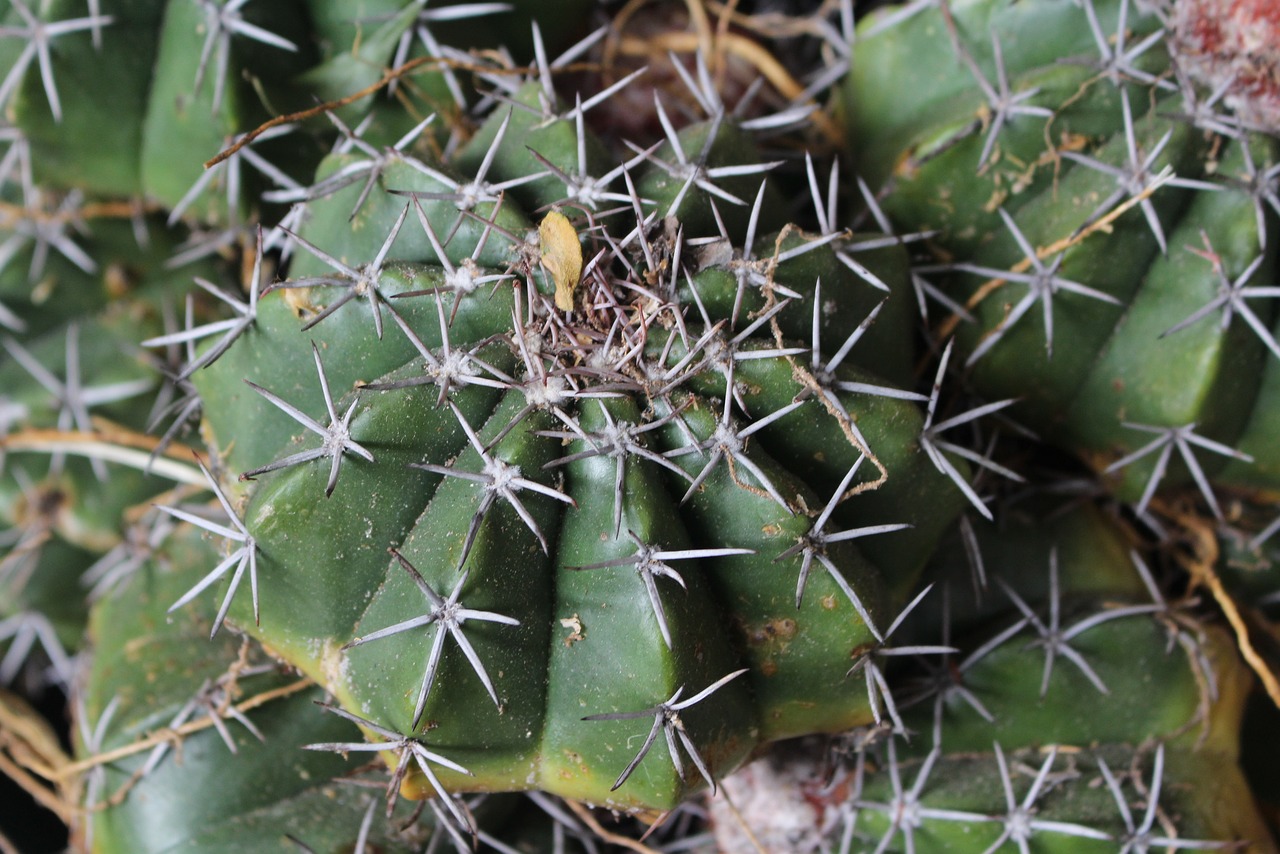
(489, 507)
(587, 538)
(1126, 353)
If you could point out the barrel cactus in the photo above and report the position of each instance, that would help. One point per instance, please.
(396, 453)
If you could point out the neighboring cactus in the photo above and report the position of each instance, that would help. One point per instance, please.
(589, 468)
(1122, 342)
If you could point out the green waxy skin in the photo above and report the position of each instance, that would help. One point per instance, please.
(347, 237)
(507, 573)
(1200, 374)
(97, 142)
(600, 672)
(208, 797)
(729, 147)
(1112, 364)
(788, 645)
(588, 642)
(1151, 663)
(533, 127)
(351, 561)
(536, 735)
(815, 442)
(970, 784)
(83, 503)
(274, 361)
(1110, 263)
(187, 119)
(884, 349)
(131, 119)
(914, 56)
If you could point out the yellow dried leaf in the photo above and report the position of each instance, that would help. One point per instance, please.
(562, 256)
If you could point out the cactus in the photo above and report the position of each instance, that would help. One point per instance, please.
(432, 443)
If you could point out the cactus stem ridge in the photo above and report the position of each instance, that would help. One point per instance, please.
(1231, 297)
(1020, 823)
(409, 749)
(1042, 284)
(943, 680)
(336, 438)
(825, 374)
(448, 615)
(461, 278)
(1117, 61)
(229, 169)
(1264, 186)
(825, 214)
(1182, 438)
(666, 718)
(1140, 839)
(728, 442)
(592, 257)
(222, 21)
(500, 480)
(814, 545)
(359, 281)
(934, 446)
(454, 368)
(620, 440)
(1056, 640)
(371, 168)
(213, 698)
(245, 556)
(878, 693)
(1135, 179)
(908, 812)
(421, 27)
(1001, 105)
(649, 562)
(38, 36)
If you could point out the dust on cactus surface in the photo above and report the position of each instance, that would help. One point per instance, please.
(652, 426)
